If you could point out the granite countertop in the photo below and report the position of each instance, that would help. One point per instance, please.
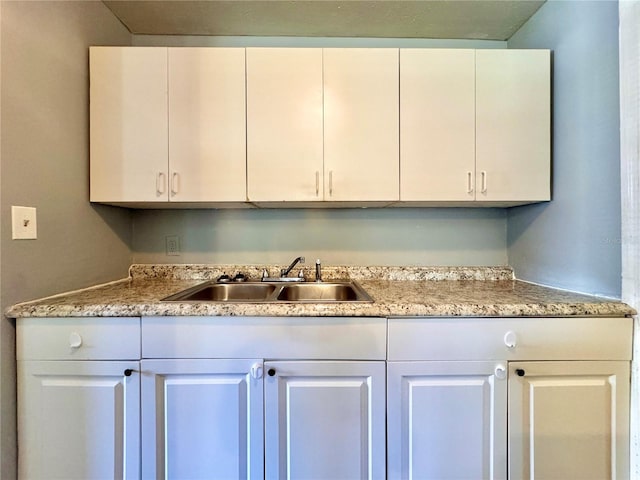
(396, 291)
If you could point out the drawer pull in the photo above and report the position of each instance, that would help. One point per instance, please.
(510, 339)
(272, 372)
(75, 340)
(128, 372)
(520, 372)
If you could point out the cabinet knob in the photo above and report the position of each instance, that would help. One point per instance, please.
(500, 372)
(257, 371)
(75, 340)
(510, 339)
(271, 372)
(128, 372)
(520, 372)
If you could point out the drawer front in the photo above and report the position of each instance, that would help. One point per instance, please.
(323, 338)
(585, 338)
(91, 338)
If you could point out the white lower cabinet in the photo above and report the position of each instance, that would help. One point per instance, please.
(479, 398)
(302, 398)
(309, 402)
(447, 420)
(569, 420)
(325, 420)
(78, 398)
(78, 420)
(202, 419)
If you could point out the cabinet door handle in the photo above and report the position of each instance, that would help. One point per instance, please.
(330, 182)
(469, 182)
(257, 370)
(483, 175)
(520, 372)
(128, 372)
(160, 183)
(175, 183)
(271, 372)
(500, 372)
(317, 183)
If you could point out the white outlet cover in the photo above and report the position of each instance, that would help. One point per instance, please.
(23, 222)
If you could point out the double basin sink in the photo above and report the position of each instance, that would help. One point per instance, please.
(269, 292)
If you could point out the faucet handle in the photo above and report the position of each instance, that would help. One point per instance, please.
(265, 273)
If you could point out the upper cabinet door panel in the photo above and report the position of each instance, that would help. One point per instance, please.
(361, 124)
(284, 124)
(437, 124)
(128, 124)
(513, 130)
(207, 127)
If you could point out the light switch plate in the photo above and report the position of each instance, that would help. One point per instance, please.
(23, 221)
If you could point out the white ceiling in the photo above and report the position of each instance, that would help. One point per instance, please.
(464, 19)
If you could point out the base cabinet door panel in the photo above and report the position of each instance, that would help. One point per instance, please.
(569, 420)
(325, 420)
(446, 420)
(78, 420)
(202, 419)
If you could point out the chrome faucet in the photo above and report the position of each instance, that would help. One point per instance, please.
(318, 271)
(285, 271)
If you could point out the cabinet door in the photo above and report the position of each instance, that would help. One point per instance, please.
(569, 420)
(325, 420)
(447, 420)
(202, 419)
(78, 420)
(437, 125)
(128, 108)
(513, 129)
(284, 124)
(361, 124)
(207, 127)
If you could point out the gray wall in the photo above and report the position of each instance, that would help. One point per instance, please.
(44, 152)
(392, 236)
(354, 236)
(574, 241)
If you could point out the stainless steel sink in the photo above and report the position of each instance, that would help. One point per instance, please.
(324, 292)
(225, 292)
(263, 292)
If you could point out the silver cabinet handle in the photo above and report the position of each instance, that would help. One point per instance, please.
(160, 183)
(469, 182)
(175, 183)
(317, 183)
(330, 182)
(484, 182)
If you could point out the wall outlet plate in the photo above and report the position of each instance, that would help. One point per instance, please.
(23, 223)
(172, 243)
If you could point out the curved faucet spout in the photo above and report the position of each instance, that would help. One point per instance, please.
(285, 271)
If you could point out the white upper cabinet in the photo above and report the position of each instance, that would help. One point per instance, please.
(284, 124)
(207, 128)
(167, 124)
(361, 124)
(128, 124)
(437, 118)
(513, 129)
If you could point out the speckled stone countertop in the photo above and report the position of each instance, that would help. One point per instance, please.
(396, 291)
